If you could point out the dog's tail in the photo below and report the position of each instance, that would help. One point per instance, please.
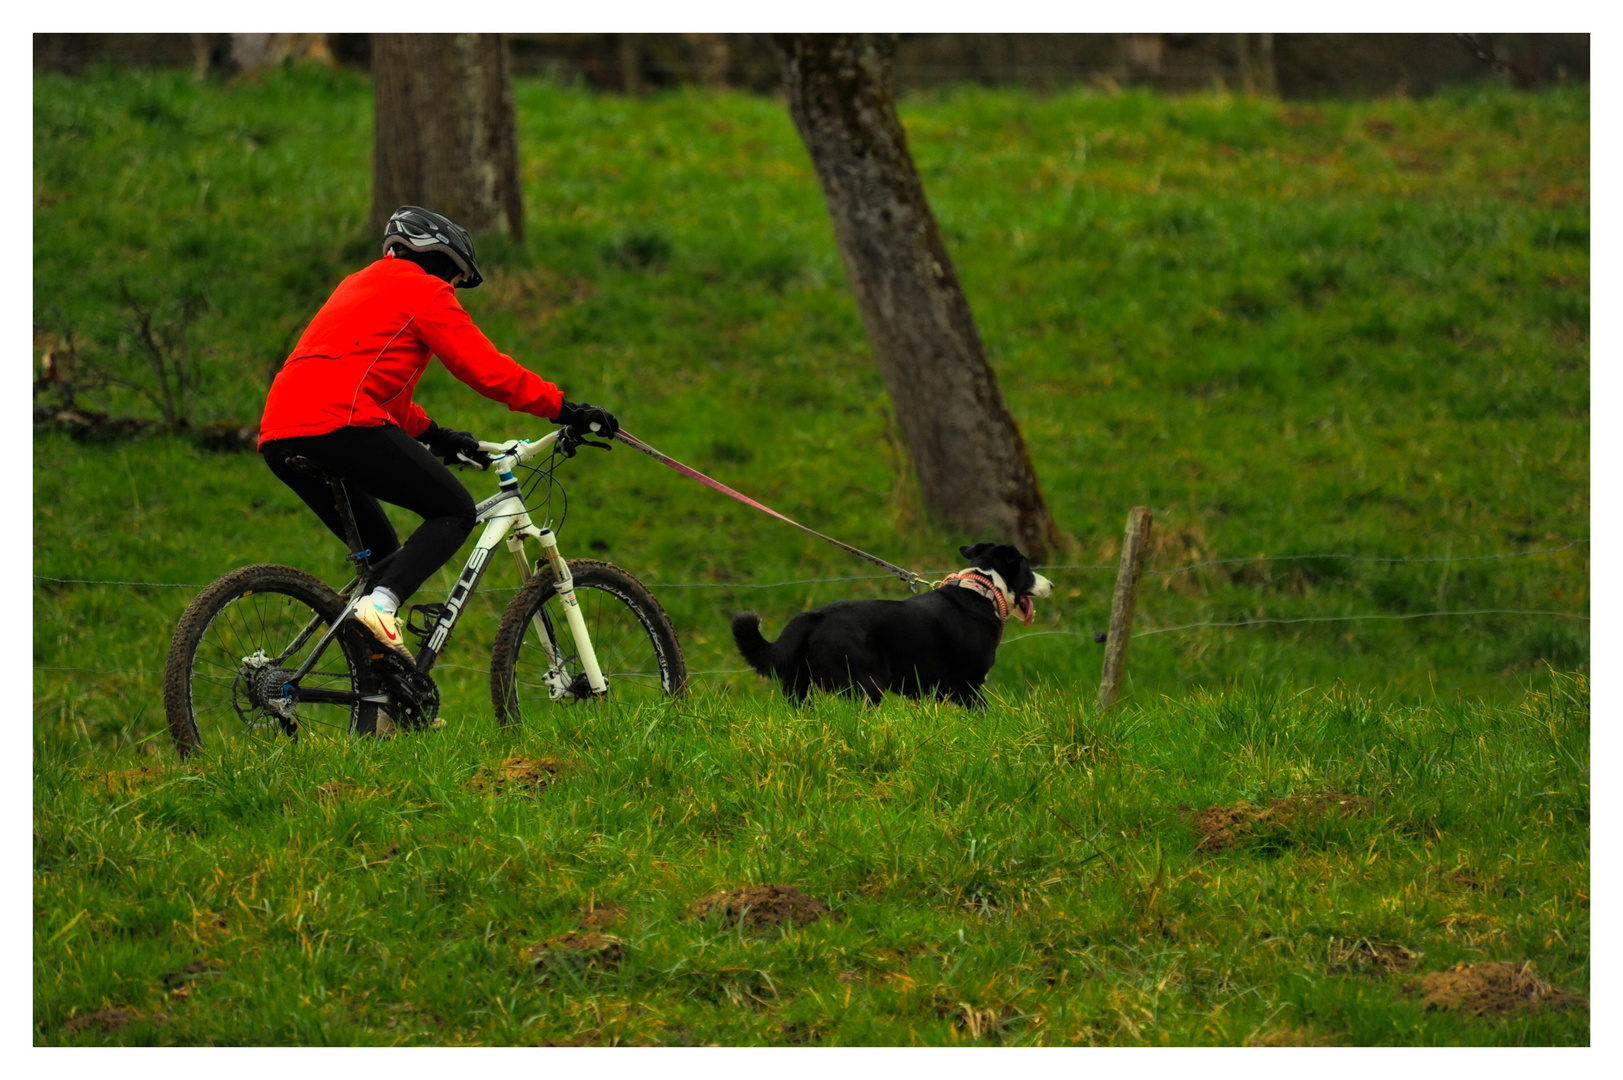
(757, 650)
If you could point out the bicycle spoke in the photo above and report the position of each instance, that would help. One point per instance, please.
(261, 625)
(623, 644)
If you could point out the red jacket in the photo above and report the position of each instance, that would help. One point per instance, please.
(361, 356)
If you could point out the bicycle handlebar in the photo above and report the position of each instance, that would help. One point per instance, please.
(520, 450)
(504, 455)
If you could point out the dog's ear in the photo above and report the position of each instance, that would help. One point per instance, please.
(1015, 568)
(976, 551)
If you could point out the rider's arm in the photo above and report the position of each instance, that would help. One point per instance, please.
(449, 333)
(416, 420)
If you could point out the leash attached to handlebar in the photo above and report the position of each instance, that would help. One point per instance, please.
(914, 581)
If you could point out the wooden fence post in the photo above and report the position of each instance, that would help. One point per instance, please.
(1133, 547)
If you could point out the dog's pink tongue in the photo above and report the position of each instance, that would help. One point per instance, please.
(1027, 612)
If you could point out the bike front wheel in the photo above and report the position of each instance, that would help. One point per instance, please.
(238, 644)
(631, 635)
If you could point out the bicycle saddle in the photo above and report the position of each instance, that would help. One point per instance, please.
(309, 467)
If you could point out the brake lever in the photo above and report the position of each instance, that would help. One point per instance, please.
(569, 442)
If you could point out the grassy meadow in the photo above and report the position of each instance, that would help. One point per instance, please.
(1328, 329)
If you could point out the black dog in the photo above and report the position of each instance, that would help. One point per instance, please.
(942, 642)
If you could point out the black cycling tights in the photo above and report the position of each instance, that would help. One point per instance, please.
(382, 463)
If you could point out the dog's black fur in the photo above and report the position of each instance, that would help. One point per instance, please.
(942, 642)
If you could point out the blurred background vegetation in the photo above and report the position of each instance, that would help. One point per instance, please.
(1290, 65)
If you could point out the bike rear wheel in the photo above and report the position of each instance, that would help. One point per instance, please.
(633, 639)
(238, 643)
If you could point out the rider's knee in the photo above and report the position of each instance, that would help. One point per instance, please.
(466, 517)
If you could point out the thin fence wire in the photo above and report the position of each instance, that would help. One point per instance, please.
(1384, 559)
(129, 584)
(1240, 624)
(1357, 618)
(1013, 639)
(1373, 558)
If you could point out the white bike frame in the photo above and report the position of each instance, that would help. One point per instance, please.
(506, 518)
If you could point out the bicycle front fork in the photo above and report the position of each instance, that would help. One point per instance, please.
(559, 682)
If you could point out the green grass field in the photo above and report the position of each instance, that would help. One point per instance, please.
(1290, 329)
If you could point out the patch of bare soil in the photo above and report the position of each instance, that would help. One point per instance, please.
(1224, 827)
(180, 983)
(599, 915)
(106, 1020)
(1366, 956)
(517, 771)
(580, 948)
(759, 906)
(1492, 989)
(1471, 882)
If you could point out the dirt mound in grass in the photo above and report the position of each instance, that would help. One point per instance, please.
(181, 983)
(757, 906)
(106, 1020)
(580, 948)
(517, 771)
(1492, 989)
(599, 915)
(1224, 827)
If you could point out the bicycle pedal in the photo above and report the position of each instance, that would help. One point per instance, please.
(430, 614)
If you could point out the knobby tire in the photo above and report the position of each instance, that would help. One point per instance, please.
(638, 648)
(260, 607)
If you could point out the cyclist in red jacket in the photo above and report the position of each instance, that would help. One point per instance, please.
(343, 400)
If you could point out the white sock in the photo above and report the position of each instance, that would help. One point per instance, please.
(385, 600)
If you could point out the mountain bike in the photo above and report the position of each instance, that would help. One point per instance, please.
(270, 651)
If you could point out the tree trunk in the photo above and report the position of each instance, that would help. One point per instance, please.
(631, 64)
(1242, 58)
(446, 137)
(973, 468)
(1267, 73)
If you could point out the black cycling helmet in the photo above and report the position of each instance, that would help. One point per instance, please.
(424, 230)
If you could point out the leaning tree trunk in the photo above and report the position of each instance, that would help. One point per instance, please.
(445, 134)
(973, 468)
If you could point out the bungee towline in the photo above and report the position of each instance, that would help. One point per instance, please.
(914, 581)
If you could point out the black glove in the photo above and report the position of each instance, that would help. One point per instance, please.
(454, 447)
(584, 419)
